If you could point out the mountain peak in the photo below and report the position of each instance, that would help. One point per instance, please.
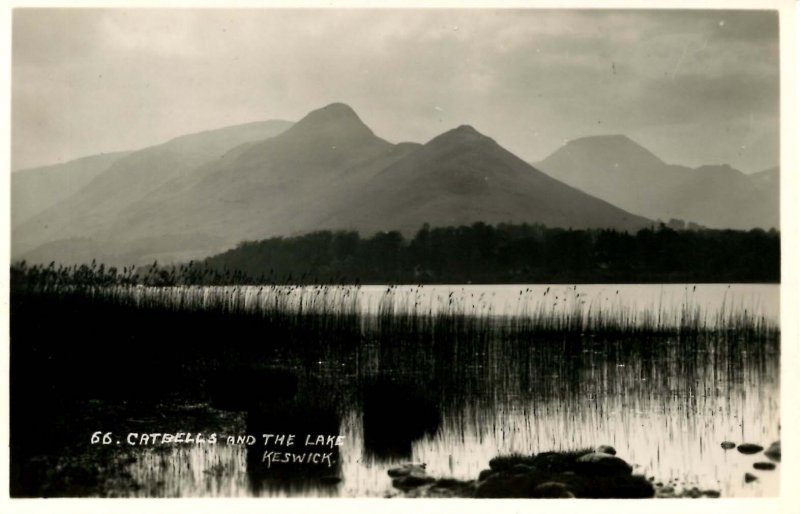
(338, 108)
(460, 134)
(610, 148)
(337, 119)
(337, 111)
(616, 140)
(466, 129)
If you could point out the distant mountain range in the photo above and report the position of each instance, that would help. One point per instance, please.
(35, 189)
(461, 177)
(201, 194)
(87, 216)
(624, 173)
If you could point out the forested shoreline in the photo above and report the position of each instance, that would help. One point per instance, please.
(507, 253)
(477, 254)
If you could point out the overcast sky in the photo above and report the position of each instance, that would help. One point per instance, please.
(695, 87)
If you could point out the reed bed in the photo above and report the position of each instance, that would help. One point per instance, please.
(198, 329)
(84, 334)
(412, 313)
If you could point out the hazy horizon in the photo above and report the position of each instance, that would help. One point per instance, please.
(694, 87)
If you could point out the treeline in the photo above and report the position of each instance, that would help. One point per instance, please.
(506, 253)
(478, 253)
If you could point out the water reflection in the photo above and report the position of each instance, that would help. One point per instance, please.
(396, 413)
(665, 404)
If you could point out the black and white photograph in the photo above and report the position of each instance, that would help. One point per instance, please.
(360, 252)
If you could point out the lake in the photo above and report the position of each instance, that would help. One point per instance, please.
(665, 405)
(453, 398)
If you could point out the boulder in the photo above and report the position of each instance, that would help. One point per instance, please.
(507, 462)
(507, 485)
(572, 474)
(749, 448)
(410, 476)
(694, 492)
(412, 480)
(450, 488)
(604, 448)
(602, 464)
(610, 486)
(520, 469)
(406, 469)
(774, 451)
(553, 462)
(764, 466)
(552, 490)
(486, 473)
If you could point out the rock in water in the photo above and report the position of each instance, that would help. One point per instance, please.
(507, 462)
(764, 466)
(748, 477)
(520, 469)
(486, 473)
(728, 445)
(749, 448)
(604, 448)
(406, 469)
(413, 479)
(774, 451)
(602, 464)
(552, 490)
(552, 462)
(449, 488)
(409, 476)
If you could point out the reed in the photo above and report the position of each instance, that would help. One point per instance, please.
(332, 311)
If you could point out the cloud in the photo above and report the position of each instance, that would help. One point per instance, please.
(91, 80)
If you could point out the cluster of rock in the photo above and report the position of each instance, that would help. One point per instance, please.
(773, 453)
(591, 473)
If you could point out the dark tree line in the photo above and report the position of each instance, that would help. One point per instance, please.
(505, 253)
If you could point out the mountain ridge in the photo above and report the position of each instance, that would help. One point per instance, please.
(205, 193)
(462, 176)
(626, 174)
(95, 207)
(34, 190)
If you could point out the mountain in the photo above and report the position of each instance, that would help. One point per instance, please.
(35, 189)
(462, 177)
(329, 170)
(720, 197)
(96, 207)
(768, 180)
(614, 168)
(622, 172)
(272, 187)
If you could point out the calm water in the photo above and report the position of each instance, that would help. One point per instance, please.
(665, 404)
(521, 300)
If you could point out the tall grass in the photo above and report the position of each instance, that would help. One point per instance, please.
(85, 333)
(401, 313)
(108, 332)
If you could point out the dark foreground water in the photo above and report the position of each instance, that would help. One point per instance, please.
(665, 403)
(667, 414)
